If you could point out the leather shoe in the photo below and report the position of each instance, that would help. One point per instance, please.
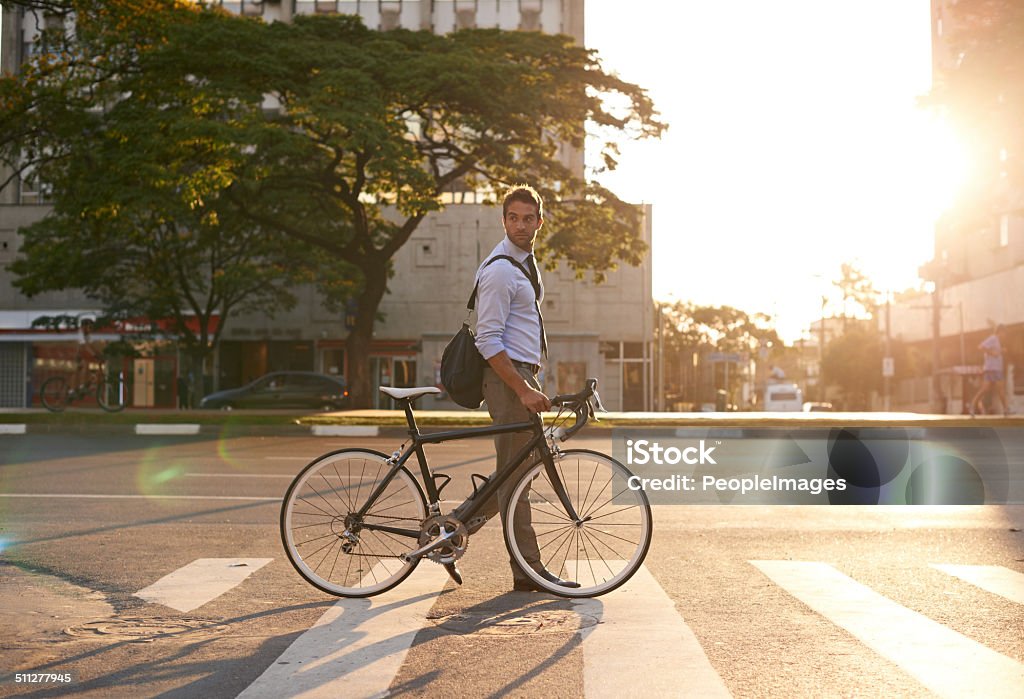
(557, 580)
(527, 585)
(453, 573)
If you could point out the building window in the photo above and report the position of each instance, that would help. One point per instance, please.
(529, 15)
(390, 14)
(465, 14)
(31, 190)
(325, 6)
(252, 8)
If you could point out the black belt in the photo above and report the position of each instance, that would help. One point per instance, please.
(535, 368)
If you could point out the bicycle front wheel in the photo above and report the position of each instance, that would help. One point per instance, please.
(604, 549)
(54, 394)
(335, 548)
(110, 393)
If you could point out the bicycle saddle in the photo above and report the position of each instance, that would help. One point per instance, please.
(410, 393)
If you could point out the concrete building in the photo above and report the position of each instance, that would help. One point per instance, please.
(604, 331)
(977, 276)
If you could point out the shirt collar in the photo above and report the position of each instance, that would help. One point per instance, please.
(516, 253)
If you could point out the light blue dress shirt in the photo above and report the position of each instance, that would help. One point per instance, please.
(505, 311)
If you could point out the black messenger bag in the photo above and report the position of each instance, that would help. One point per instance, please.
(462, 366)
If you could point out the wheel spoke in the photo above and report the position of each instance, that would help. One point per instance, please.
(312, 521)
(608, 548)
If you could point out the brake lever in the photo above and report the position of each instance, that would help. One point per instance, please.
(597, 399)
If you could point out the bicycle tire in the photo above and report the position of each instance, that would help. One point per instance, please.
(110, 394)
(609, 546)
(312, 524)
(54, 394)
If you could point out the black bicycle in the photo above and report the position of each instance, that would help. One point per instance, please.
(355, 522)
(57, 393)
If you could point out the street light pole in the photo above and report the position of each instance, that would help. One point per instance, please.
(821, 352)
(888, 351)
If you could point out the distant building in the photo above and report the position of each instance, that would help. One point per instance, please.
(977, 271)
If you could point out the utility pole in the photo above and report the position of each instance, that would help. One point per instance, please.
(936, 308)
(888, 351)
(821, 352)
(661, 357)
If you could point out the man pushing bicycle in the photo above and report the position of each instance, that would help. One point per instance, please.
(510, 337)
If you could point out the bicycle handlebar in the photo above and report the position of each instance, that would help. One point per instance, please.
(584, 404)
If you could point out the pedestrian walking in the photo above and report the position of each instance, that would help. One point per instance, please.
(992, 372)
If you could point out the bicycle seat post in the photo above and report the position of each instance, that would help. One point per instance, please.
(410, 418)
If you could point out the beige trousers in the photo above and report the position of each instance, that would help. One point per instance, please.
(505, 408)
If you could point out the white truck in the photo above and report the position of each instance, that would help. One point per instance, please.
(783, 397)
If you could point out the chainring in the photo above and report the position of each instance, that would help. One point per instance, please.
(454, 548)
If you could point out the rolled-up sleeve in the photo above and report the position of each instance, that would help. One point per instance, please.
(493, 302)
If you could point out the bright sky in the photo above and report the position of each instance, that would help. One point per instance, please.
(794, 145)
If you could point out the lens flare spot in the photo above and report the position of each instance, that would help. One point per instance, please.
(155, 471)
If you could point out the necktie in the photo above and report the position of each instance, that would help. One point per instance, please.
(531, 267)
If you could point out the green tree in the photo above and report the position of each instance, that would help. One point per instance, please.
(855, 286)
(374, 127)
(692, 329)
(853, 361)
(135, 223)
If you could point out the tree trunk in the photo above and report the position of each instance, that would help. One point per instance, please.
(197, 372)
(361, 336)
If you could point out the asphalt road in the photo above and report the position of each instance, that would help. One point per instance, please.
(796, 601)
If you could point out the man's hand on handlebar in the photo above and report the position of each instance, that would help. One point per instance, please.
(534, 400)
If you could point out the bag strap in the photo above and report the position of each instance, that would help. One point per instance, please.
(471, 304)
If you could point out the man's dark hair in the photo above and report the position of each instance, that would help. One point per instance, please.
(524, 193)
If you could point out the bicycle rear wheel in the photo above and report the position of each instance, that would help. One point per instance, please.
(326, 539)
(54, 394)
(110, 393)
(601, 552)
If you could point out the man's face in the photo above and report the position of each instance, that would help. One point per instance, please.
(521, 224)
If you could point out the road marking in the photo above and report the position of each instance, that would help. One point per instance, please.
(201, 581)
(995, 579)
(357, 647)
(240, 475)
(99, 496)
(345, 430)
(157, 428)
(640, 627)
(13, 429)
(944, 661)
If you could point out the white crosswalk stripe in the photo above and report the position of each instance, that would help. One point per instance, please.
(201, 581)
(640, 627)
(946, 662)
(995, 579)
(357, 647)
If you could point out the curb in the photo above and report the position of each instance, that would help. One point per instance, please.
(197, 429)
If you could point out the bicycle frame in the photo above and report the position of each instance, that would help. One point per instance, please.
(490, 488)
